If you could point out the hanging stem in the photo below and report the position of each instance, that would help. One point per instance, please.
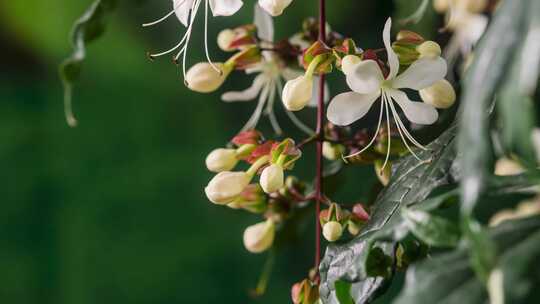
(319, 196)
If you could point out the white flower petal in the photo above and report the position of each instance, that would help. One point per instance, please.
(393, 60)
(181, 9)
(225, 7)
(422, 74)
(264, 23)
(247, 94)
(416, 112)
(366, 77)
(348, 107)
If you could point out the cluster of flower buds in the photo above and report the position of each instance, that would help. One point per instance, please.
(266, 158)
(335, 219)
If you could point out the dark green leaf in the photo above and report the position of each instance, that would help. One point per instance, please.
(432, 230)
(87, 28)
(485, 76)
(449, 278)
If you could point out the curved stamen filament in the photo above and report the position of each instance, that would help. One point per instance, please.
(206, 39)
(194, 10)
(270, 108)
(385, 101)
(406, 132)
(164, 17)
(374, 136)
(254, 119)
(394, 115)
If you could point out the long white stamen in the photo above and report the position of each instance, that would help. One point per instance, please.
(295, 120)
(164, 17)
(270, 108)
(395, 114)
(206, 39)
(193, 14)
(254, 119)
(405, 131)
(385, 101)
(170, 50)
(374, 136)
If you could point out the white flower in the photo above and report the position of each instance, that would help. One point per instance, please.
(369, 85)
(271, 72)
(226, 186)
(186, 11)
(221, 160)
(441, 95)
(259, 237)
(225, 38)
(274, 7)
(272, 178)
(429, 49)
(332, 231)
(464, 18)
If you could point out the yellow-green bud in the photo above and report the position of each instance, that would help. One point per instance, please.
(297, 93)
(429, 49)
(441, 95)
(332, 231)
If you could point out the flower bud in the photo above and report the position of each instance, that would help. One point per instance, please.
(353, 228)
(259, 237)
(272, 178)
(221, 160)
(203, 78)
(332, 151)
(348, 62)
(305, 292)
(274, 7)
(226, 186)
(297, 93)
(384, 174)
(225, 38)
(332, 231)
(441, 95)
(506, 167)
(441, 6)
(429, 49)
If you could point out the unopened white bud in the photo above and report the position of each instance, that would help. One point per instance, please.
(274, 7)
(259, 237)
(332, 231)
(221, 160)
(226, 186)
(441, 6)
(348, 62)
(506, 167)
(272, 178)
(441, 95)
(204, 78)
(225, 39)
(297, 93)
(429, 49)
(332, 151)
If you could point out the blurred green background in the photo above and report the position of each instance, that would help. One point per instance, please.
(114, 211)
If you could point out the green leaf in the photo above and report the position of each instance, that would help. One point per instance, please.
(343, 292)
(485, 76)
(449, 278)
(432, 230)
(515, 105)
(412, 181)
(87, 28)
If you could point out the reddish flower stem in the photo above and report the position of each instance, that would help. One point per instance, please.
(320, 137)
